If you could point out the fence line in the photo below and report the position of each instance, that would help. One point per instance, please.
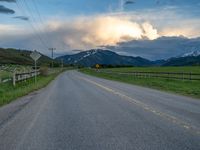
(17, 77)
(168, 75)
(4, 80)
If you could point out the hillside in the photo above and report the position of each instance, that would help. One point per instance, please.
(103, 57)
(188, 59)
(20, 57)
(183, 61)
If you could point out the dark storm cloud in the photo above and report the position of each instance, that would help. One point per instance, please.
(10, 1)
(161, 48)
(21, 18)
(129, 2)
(5, 10)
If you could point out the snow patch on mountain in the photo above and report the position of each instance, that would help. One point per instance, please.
(192, 54)
(88, 53)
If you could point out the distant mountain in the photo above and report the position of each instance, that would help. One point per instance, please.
(97, 56)
(159, 62)
(20, 57)
(104, 57)
(160, 48)
(193, 53)
(187, 59)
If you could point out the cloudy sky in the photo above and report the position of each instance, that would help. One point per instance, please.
(84, 24)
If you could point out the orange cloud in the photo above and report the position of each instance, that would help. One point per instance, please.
(182, 31)
(103, 30)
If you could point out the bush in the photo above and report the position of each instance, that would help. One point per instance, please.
(44, 71)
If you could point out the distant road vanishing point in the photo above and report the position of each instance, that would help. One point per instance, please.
(80, 112)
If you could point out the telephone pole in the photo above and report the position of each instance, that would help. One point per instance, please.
(62, 63)
(52, 55)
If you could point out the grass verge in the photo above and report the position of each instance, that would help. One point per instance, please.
(8, 92)
(183, 87)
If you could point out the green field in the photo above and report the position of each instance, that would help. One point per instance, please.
(9, 93)
(5, 74)
(183, 87)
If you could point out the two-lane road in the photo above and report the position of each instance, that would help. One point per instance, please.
(80, 112)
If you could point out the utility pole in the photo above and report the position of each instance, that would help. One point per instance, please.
(52, 54)
(62, 63)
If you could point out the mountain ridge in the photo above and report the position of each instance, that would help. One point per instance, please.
(98, 56)
(191, 58)
(106, 57)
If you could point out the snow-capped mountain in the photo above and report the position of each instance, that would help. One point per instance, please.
(104, 57)
(191, 54)
(187, 59)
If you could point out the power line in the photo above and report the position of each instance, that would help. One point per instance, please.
(38, 36)
(40, 17)
(23, 12)
(42, 22)
(34, 20)
(37, 26)
(38, 12)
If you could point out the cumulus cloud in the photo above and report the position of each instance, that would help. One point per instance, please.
(87, 32)
(149, 31)
(188, 28)
(101, 30)
(110, 29)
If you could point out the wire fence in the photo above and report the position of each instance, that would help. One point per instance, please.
(166, 75)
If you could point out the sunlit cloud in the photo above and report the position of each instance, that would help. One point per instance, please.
(187, 32)
(85, 32)
(102, 30)
(188, 28)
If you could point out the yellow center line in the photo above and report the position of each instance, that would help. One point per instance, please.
(146, 107)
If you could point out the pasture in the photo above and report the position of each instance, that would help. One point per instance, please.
(184, 87)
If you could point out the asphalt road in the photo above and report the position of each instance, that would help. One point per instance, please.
(79, 112)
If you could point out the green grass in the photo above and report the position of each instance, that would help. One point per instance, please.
(8, 92)
(5, 74)
(183, 87)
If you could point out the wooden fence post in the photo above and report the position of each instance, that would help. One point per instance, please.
(14, 79)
